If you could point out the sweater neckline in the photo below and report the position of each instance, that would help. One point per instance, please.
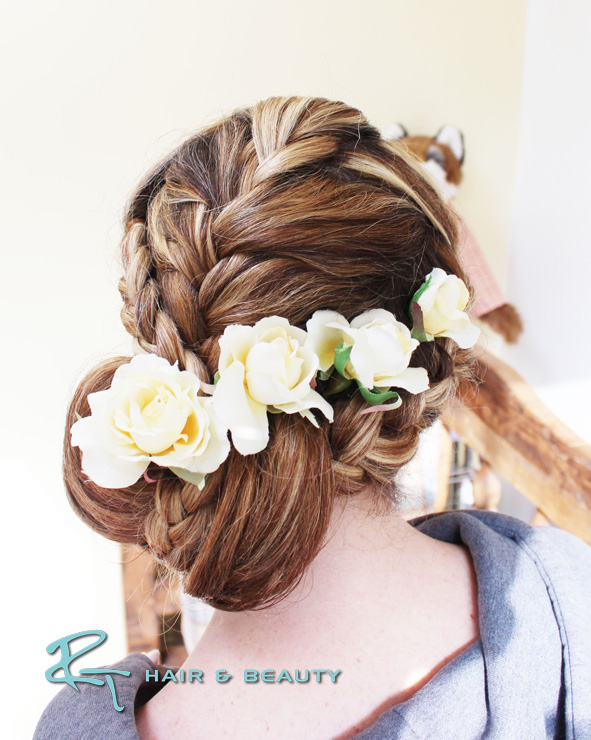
(143, 691)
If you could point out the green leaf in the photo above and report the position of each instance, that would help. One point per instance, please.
(342, 354)
(197, 479)
(216, 377)
(418, 326)
(337, 384)
(418, 293)
(375, 397)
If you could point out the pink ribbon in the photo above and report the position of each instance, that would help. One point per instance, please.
(381, 407)
(147, 477)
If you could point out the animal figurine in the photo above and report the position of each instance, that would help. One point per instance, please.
(443, 157)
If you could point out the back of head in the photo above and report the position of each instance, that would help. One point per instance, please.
(286, 207)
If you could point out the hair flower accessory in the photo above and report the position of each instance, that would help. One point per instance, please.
(374, 350)
(151, 413)
(265, 367)
(437, 309)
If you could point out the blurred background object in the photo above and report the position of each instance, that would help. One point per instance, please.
(442, 157)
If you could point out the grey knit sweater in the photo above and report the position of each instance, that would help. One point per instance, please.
(528, 677)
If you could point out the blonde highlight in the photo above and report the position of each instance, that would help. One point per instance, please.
(286, 207)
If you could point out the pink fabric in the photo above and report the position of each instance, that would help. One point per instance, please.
(487, 293)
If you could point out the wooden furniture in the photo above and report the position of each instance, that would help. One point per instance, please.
(501, 419)
(518, 436)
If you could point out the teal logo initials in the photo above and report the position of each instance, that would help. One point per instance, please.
(67, 658)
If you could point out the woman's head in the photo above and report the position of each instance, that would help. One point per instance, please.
(284, 208)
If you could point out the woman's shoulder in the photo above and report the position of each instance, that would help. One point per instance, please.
(535, 603)
(552, 548)
(550, 555)
(563, 562)
(99, 704)
(562, 559)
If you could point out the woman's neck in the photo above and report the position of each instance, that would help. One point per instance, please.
(382, 604)
(369, 565)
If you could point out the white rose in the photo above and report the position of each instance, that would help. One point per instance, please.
(261, 367)
(151, 413)
(442, 302)
(381, 348)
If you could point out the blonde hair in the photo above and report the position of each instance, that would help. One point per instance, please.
(289, 206)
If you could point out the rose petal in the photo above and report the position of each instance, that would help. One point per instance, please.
(218, 448)
(269, 322)
(448, 297)
(143, 365)
(465, 338)
(267, 358)
(388, 355)
(434, 322)
(272, 322)
(196, 433)
(322, 339)
(166, 429)
(308, 369)
(210, 457)
(108, 471)
(312, 400)
(361, 360)
(294, 365)
(235, 344)
(245, 418)
(381, 315)
(83, 432)
(267, 389)
(427, 298)
(413, 379)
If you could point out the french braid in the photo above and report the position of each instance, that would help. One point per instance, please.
(292, 205)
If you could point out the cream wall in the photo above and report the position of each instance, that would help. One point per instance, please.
(92, 94)
(549, 247)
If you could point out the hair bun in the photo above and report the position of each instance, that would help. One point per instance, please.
(288, 207)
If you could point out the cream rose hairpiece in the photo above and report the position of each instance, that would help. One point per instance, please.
(154, 412)
(151, 413)
(437, 310)
(265, 367)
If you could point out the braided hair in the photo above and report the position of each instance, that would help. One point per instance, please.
(289, 206)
